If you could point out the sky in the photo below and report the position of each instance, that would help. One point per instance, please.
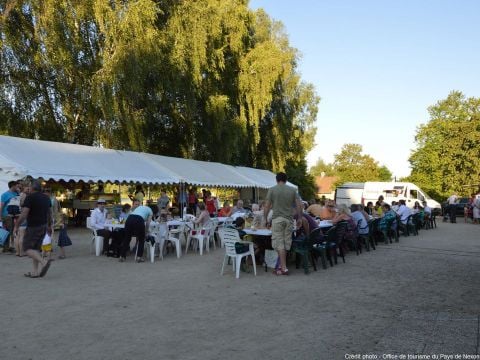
(378, 65)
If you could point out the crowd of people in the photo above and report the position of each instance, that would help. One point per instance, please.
(32, 214)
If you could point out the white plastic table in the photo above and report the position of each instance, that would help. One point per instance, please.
(258, 232)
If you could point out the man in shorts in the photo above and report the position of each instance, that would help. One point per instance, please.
(285, 202)
(38, 213)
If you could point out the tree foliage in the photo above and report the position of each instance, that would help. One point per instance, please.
(206, 79)
(447, 157)
(322, 168)
(351, 165)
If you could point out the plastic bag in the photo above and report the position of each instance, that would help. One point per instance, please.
(47, 240)
(271, 258)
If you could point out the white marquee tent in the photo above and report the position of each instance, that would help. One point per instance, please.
(21, 157)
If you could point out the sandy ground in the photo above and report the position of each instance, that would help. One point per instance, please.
(417, 296)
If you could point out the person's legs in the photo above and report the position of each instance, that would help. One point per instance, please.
(8, 225)
(32, 242)
(139, 232)
(62, 252)
(37, 259)
(126, 240)
(106, 234)
(287, 239)
(279, 242)
(453, 214)
(282, 254)
(19, 241)
(117, 242)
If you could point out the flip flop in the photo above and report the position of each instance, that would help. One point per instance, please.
(29, 275)
(44, 270)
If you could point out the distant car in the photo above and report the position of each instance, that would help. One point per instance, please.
(461, 205)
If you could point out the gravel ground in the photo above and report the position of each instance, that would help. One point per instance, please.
(418, 296)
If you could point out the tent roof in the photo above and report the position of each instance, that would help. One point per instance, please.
(60, 161)
(202, 173)
(262, 178)
(21, 157)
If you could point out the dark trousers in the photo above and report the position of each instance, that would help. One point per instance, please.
(134, 226)
(106, 234)
(452, 210)
(117, 240)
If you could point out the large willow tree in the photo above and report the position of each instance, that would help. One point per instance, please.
(204, 79)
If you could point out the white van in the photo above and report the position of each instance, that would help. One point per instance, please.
(349, 193)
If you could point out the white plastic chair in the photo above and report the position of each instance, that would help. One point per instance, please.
(188, 217)
(97, 241)
(200, 237)
(228, 221)
(173, 236)
(228, 234)
(158, 231)
(230, 252)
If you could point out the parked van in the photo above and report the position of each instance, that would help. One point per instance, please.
(349, 193)
(362, 193)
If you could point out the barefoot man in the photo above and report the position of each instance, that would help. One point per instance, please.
(38, 213)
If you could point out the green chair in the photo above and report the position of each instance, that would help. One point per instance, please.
(304, 251)
(333, 243)
(389, 232)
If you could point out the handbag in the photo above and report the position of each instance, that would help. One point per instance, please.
(4, 234)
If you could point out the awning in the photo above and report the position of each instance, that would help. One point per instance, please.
(21, 157)
(59, 161)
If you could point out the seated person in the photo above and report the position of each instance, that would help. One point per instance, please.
(203, 217)
(125, 212)
(416, 207)
(226, 210)
(163, 201)
(155, 210)
(343, 214)
(257, 216)
(378, 209)
(329, 211)
(388, 215)
(239, 226)
(403, 211)
(302, 231)
(427, 209)
(315, 210)
(238, 208)
(164, 216)
(312, 224)
(97, 222)
(394, 206)
(360, 217)
(369, 208)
